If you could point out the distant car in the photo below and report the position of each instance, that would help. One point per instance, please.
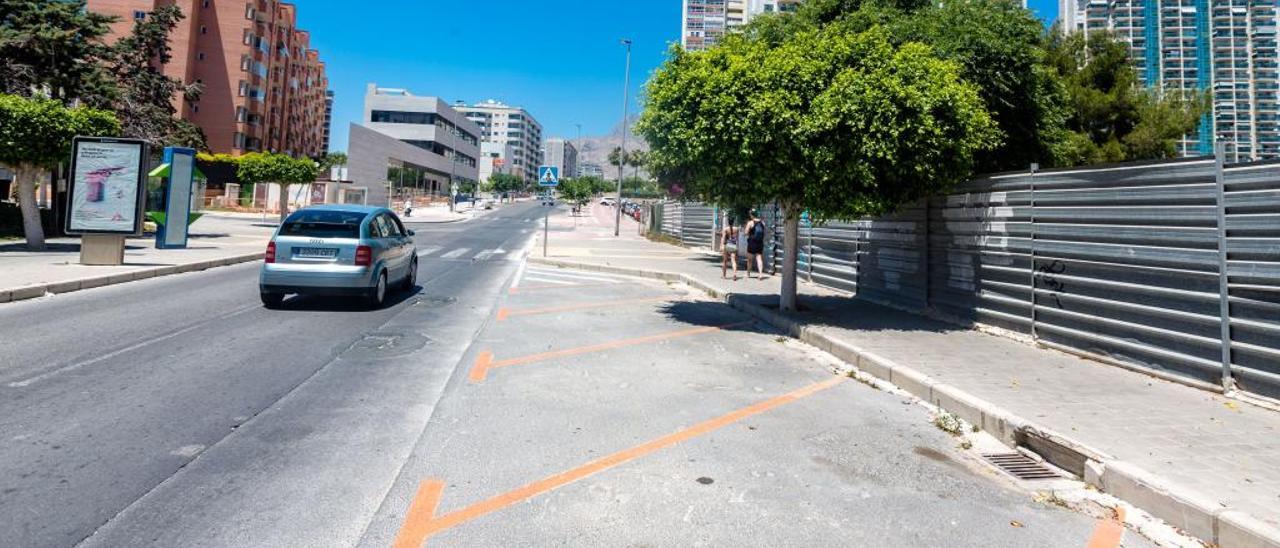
(607, 202)
(339, 250)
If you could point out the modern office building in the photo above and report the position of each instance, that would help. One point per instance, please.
(412, 147)
(1226, 48)
(495, 158)
(705, 21)
(264, 86)
(505, 124)
(562, 154)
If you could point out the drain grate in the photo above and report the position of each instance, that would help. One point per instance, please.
(1020, 466)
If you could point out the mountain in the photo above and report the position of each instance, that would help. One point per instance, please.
(595, 149)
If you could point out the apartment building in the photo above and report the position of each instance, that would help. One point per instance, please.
(265, 87)
(1226, 48)
(495, 158)
(412, 147)
(504, 124)
(562, 154)
(704, 22)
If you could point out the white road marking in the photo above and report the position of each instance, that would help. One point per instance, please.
(429, 250)
(72, 367)
(575, 276)
(482, 255)
(456, 253)
(519, 274)
(534, 278)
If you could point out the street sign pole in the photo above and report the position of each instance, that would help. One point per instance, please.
(548, 178)
(626, 88)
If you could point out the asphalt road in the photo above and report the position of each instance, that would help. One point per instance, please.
(501, 404)
(271, 427)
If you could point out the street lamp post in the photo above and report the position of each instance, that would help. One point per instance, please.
(626, 88)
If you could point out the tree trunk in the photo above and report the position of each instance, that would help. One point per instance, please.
(791, 254)
(284, 202)
(31, 227)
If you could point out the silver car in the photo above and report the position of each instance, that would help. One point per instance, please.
(339, 250)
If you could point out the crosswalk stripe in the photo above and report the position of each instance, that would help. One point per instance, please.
(429, 250)
(483, 255)
(455, 253)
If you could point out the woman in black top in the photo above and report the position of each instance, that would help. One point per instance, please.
(729, 248)
(755, 244)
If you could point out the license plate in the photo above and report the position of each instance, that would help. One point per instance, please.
(315, 252)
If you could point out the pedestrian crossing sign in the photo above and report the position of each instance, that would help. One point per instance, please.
(548, 176)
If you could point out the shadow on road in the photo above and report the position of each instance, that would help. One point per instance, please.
(317, 303)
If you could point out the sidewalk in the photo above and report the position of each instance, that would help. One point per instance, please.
(1204, 463)
(440, 213)
(217, 239)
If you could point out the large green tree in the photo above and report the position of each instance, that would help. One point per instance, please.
(505, 182)
(1112, 118)
(147, 96)
(827, 120)
(999, 45)
(280, 169)
(54, 48)
(35, 136)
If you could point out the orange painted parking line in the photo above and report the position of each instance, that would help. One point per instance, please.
(485, 362)
(544, 287)
(1109, 532)
(420, 512)
(481, 368)
(415, 530)
(507, 313)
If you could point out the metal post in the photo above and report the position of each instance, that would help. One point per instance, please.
(1032, 250)
(1224, 287)
(546, 230)
(626, 89)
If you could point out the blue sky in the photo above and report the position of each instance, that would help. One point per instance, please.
(560, 59)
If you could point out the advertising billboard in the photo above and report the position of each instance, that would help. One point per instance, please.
(107, 187)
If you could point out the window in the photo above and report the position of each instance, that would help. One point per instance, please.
(139, 15)
(324, 224)
(399, 117)
(204, 4)
(204, 29)
(248, 37)
(200, 56)
(242, 114)
(244, 88)
(249, 12)
(237, 141)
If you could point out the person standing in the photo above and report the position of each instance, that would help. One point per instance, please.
(729, 248)
(755, 244)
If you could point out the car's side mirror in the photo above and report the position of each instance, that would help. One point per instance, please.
(411, 232)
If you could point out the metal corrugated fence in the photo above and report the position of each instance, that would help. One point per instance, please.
(1125, 262)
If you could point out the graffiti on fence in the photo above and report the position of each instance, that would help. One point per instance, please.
(1047, 277)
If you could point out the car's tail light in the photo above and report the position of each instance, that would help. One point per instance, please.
(271, 252)
(364, 255)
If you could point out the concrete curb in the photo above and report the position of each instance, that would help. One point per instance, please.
(34, 291)
(1191, 512)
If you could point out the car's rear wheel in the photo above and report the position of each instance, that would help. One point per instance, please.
(272, 300)
(411, 279)
(378, 295)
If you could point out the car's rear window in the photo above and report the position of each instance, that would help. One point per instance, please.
(323, 224)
